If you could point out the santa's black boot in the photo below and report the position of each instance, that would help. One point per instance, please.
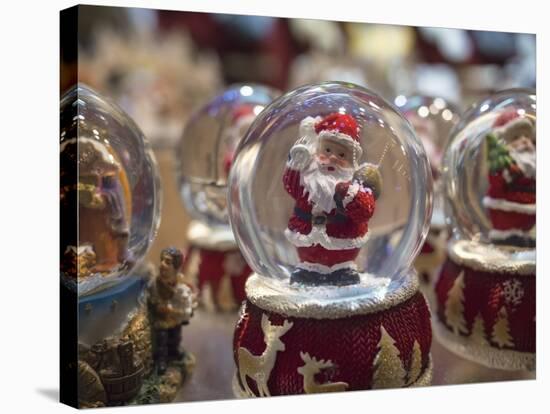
(306, 277)
(343, 277)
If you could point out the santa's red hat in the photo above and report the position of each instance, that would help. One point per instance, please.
(341, 128)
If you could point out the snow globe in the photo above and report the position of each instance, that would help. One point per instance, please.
(110, 212)
(485, 292)
(432, 119)
(109, 192)
(330, 196)
(204, 156)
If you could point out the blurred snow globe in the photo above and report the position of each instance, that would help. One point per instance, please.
(490, 172)
(110, 192)
(206, 149)
(432, 118)
(330, 196)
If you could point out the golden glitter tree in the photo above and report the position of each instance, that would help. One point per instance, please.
(389, 371)
(416, 363)
(454, 307)
(478, 331)
(501, 330)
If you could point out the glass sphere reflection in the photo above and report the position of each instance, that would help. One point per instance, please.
(432, 119)
(330, 183)
(110, 191)
(207, 146)
(490, 171)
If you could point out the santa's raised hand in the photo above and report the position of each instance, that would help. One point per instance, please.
(299, 157)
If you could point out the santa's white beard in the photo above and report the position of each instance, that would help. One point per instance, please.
(526, 161)
(320, 184)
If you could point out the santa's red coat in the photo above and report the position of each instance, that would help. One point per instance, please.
(517, 189)
(347, 233)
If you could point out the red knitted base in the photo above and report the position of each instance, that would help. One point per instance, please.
(509, 220)
(208, 267)
(350, 343)
(503, 302)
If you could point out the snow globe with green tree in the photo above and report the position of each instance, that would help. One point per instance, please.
(485, 292)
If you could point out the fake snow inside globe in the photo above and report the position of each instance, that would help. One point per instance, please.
(110, 192)
(486, 288)
(330, 195)
(207, 147)
(432, 119)
(329, 199)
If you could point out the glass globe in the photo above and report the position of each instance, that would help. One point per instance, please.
(207, 146)
(330, 193)
(490, 171)
(432, 119)
(110, 192)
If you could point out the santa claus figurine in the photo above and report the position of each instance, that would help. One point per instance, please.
(511, 197)
(241, 119)
(334, 200)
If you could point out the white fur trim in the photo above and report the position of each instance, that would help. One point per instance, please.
(319, 268)
(505, 205)
(493, 259)
(342, 139)
(318, 235)
(353, 189)
(372, 294)
(487, 355)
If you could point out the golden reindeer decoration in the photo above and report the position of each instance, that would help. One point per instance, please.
(258, 367)
(311, 368)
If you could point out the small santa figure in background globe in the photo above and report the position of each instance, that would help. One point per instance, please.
(241, 118)
(334, 199)
(511, 196)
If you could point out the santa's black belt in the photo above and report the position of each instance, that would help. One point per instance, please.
(518, 188)
(319, 219)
